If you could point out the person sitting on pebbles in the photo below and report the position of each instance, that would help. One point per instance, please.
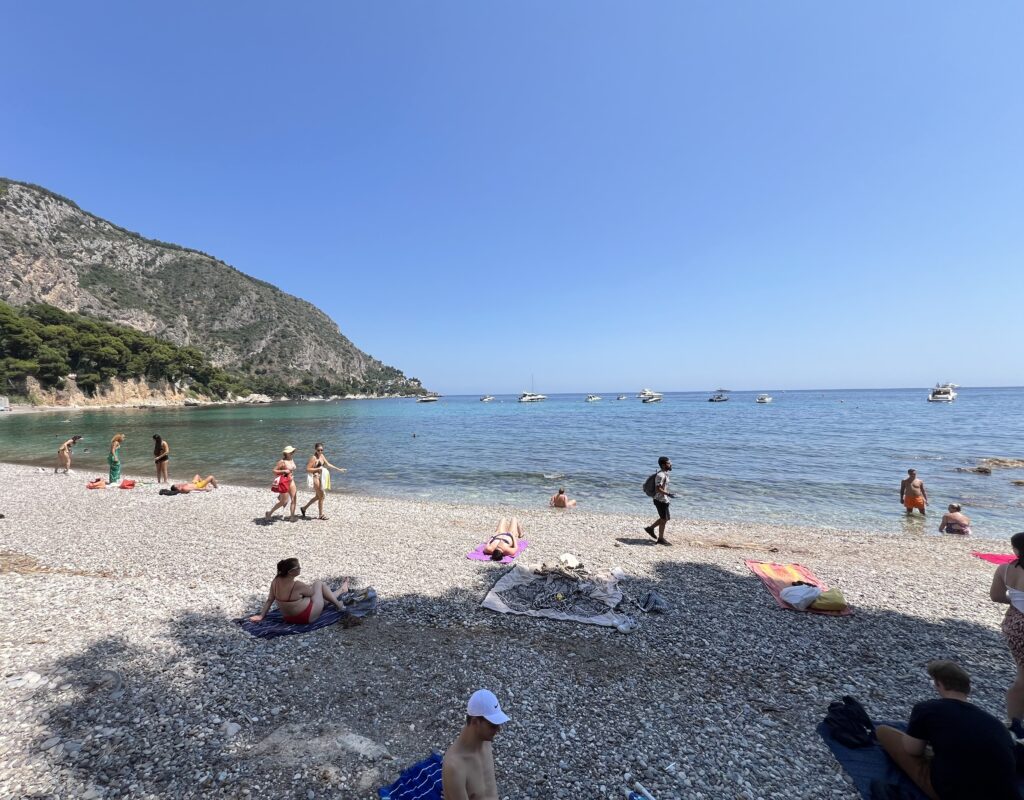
(505, 541)
(955, 521)
(561, 500)
(299, 602)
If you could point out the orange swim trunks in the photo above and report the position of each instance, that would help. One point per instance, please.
(910, 503)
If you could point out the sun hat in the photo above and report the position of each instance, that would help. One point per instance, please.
(288, 449)
(483, 703)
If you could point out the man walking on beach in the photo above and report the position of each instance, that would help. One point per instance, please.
(661, 501)
(468, 770)
(912, 493)
(972, 752)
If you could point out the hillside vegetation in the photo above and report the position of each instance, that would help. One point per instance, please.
(48, 344)
(53, 252)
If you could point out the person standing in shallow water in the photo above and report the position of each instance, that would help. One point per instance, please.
(912, 493)
(161, 455)
(319, 479)
(662, 498)
(114, 458)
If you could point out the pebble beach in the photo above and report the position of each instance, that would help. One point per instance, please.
(123, 674)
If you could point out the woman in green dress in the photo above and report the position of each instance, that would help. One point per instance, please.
(114, 459)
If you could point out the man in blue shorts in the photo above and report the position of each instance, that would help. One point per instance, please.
(661, 501)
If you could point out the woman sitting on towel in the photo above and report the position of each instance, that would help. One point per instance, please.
(505, 541)
(300, 603)
(955, 521)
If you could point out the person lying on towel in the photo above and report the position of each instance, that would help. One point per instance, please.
(299, 602)
(197, 484)
(973, 751)
(505, 541)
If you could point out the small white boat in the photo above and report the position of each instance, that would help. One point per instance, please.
(531, 397)
(621, 397)
(942, 393)
(427, 398)
(718, 397)
(648, 393)
(486, 398)
(593, 398)
(652, 398)
(764, 398)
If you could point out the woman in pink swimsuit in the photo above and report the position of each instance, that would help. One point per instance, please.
(300, 603)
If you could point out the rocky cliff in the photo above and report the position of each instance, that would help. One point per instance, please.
(51, 251)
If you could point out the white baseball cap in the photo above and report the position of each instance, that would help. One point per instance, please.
(484, 704)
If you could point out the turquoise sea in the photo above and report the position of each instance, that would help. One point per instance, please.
(832, 458)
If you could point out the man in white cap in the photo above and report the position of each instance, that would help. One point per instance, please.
(468, 772)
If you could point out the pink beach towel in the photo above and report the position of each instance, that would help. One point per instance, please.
(777, 577)
(479, 555)
(994, 558)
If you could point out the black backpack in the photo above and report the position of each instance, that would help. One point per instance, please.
(849, 723)
(649, 488)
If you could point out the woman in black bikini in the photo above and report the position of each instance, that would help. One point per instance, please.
(161, 455)
(300, 603)
(505, 541)
(315, 475)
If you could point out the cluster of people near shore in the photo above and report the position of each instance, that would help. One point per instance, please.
(914, 497)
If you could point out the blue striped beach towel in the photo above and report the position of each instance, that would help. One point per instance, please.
(421, 781)
(358, 604)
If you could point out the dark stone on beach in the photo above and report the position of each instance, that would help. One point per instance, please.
(1017, 483)
(975, 470)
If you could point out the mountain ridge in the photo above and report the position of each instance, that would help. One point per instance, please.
(54, 252)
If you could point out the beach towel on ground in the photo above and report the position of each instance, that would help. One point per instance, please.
(777, 577)
(479, 555)
(867, 764)
(994, 558)
(358, 604)
(421, 781)
(561, 593)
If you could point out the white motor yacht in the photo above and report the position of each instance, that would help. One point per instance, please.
(593, 398)
(653, 397)
(648, 393)
(486, 398)
(531, 397)
(942, 393)
(764, 398)
(427, 398)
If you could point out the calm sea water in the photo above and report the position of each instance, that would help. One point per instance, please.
(809, 458)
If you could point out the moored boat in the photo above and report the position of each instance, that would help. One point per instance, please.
(942, 393)
(593, 398)
(428, 398)
(486, 398)
(764, 398)
(531, 397)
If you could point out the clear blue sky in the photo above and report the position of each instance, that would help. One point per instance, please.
(605, 195)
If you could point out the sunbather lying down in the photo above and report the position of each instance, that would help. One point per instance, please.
(197, 484)
(505, 541)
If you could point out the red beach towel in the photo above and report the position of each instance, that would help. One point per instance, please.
(994, 558)
(777, 577)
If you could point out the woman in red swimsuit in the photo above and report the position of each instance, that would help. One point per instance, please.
(299, 602)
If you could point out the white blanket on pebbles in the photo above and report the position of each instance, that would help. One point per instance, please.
(591, 599)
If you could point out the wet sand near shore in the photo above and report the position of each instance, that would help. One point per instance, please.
(123, 675)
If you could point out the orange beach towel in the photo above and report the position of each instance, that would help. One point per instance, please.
(777, 577)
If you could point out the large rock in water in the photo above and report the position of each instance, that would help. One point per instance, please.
(51, 251)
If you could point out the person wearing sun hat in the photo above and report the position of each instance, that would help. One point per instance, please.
(468, 770)
(284, 482)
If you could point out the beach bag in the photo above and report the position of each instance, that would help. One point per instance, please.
(832, 600)
(127, 483)
(281, 484)
(849, 723)
(649, 488)
(800, 597)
